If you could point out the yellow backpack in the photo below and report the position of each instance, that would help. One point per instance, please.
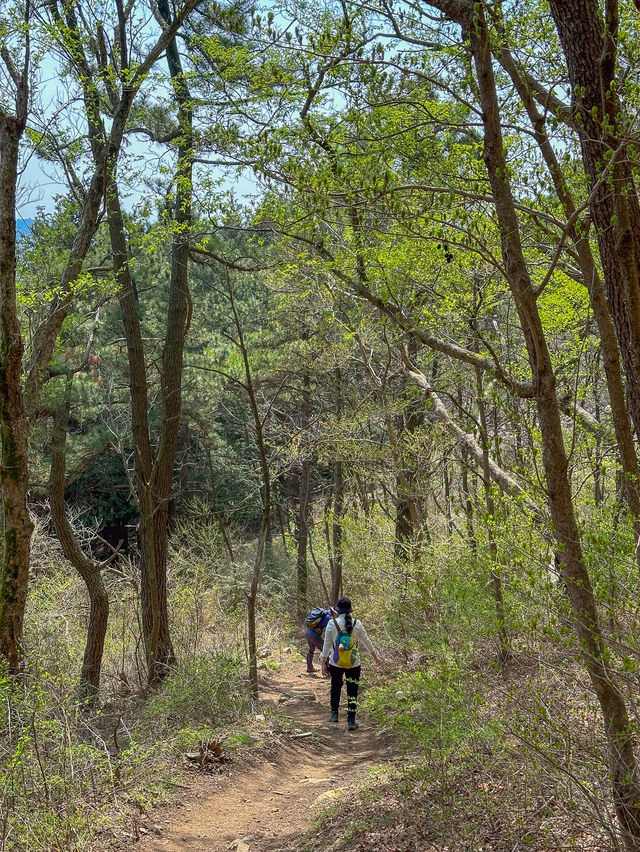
(345, 650)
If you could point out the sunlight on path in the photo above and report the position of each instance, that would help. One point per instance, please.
(264, 808)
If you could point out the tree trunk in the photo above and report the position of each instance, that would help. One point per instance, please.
(496, 580)
(265, 492)
(467, 502)
(14, 474)
(89, 570)
(408, 522)
(302, 535)
(302, 517)
(446, 482)
(589, 45)
(337, 487)
(154, 477)
(153, 511)
(622, 760)
(252, 598)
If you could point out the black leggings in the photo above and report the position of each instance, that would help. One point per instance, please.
(353, 682)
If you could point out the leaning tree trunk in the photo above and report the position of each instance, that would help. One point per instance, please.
(623, 766)
(89, 569)
(14, 474)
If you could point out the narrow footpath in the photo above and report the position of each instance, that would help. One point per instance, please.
(268, 805)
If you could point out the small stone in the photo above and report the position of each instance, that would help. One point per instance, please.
(328, 796)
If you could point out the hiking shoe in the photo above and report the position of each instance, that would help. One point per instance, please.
(352, 726)
(334, 716)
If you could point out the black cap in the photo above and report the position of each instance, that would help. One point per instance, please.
(343, 606)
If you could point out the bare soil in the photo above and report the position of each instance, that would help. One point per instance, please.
(267, 805)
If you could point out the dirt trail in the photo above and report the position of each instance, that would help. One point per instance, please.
(264, 807)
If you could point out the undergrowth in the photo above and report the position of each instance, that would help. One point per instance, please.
(69, 771)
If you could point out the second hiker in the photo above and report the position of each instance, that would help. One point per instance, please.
(316, 621)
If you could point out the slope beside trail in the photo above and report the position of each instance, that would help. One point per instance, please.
(267, 805)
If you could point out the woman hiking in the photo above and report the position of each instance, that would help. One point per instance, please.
(340, 658)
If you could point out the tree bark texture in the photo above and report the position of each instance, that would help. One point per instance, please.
(622, 759)
(589, 46)
(14, 474)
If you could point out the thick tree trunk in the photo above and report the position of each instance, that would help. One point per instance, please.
(622, 760)
(14, 474)
(89, 570)
(589, 45)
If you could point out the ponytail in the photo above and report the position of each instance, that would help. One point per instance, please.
(343, 607)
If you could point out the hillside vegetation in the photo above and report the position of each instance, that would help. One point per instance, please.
(333, 299)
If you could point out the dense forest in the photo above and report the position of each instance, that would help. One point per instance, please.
(328, 299)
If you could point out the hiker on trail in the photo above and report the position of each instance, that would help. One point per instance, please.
(316, 621)
(340, 658)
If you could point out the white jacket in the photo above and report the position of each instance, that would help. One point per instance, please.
(359, 637)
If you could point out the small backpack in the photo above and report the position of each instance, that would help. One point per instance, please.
(317, 619)
(345, 651)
